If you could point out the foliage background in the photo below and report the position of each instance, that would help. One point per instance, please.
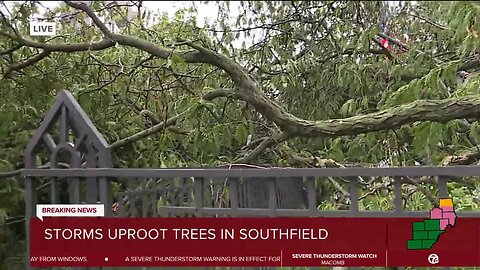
(316, 60)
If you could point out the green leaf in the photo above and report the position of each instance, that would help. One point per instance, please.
(241, 133)
(427, 135)
(475, 131)
(336, 149)
(348, 108)
(433, 80)
(3, 216)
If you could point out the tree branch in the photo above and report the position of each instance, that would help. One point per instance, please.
(220, 93)
(152, 130)
(30, 61)
(350, 51)
(429, 22)
(254, 143)
(169, 122)
(395, 41)
(462, 158)
(472, 62)
(246, 89)
(152, 48)
(440, 111)
(150, 115)
(10, 50)
(75, 47)
(269, 142)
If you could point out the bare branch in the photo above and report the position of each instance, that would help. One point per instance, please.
(350, 51)
(48, 48)
(147, 132)
(395, 41)
(30, 61)
(10, 50)
(18, 172)
(472, 62)
(429, 22)
(152, 48)
(462, 158)
(100, 87)
(219, 93)
(267, 143)
(255, 142)
(150, 115)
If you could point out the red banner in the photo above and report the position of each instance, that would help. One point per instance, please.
(85, 241)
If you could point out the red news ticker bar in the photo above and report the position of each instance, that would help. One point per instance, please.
(104, 242)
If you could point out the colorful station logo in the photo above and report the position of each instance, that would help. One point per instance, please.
(426, 233)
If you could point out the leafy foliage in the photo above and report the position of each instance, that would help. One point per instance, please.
(317, 60)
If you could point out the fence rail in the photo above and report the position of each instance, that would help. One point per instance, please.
(459, 171)
(251, 192)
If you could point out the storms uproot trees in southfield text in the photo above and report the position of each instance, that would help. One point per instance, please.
(187, 234)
